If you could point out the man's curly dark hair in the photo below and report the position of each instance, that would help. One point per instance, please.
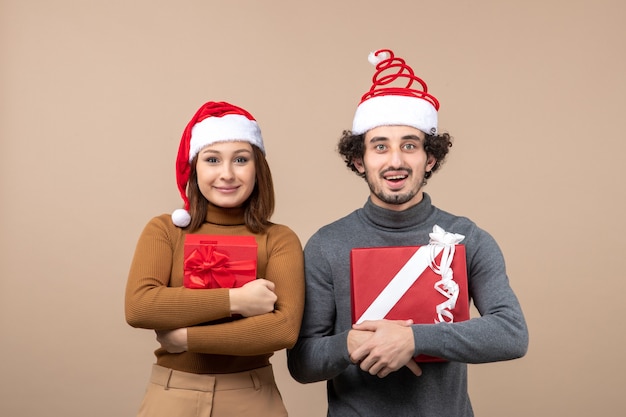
(352, 147)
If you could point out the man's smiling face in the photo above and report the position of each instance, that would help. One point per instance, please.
(394, 164)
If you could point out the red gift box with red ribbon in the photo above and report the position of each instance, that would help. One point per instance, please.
(216, 261)
(410, 282)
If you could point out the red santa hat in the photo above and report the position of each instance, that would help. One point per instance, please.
(213, 122)
(387, 103)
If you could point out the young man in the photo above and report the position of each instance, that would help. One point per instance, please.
(369, 367)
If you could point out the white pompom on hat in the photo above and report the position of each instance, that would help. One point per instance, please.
(386, 105)
(213, 122)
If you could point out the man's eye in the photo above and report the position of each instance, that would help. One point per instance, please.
(410, 146)
(380, 147)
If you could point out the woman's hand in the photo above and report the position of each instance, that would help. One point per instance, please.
(174, 341)
(252, 299)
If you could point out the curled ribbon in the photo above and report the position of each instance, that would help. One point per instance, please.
(446, 286)
(206, 267)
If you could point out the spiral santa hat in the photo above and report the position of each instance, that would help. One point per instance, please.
(397, 97)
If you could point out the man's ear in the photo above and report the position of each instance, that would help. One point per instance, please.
(430, 163)
(358, 164)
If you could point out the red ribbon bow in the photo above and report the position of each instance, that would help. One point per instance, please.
(206, 267)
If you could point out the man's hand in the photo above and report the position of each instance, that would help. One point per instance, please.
(252, 299)
(356, 338)
(174, 341)
(383, 346)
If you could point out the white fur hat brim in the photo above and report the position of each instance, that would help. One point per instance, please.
(391, 110)
(230, 127)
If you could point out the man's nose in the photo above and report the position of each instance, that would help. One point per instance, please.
(395, 158)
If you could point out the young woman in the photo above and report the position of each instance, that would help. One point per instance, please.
(216, 343)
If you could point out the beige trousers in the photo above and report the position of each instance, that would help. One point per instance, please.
(180, 394)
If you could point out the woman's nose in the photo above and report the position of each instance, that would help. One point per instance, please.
(227, 171)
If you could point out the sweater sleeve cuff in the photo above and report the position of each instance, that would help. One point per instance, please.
(430, 339)
(340, 344)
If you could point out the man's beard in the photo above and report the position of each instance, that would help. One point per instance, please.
(395, 198)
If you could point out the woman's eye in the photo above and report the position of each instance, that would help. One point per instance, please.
(211, 160)
(241, 160)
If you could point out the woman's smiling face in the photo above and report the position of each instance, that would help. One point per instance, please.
(226, 173)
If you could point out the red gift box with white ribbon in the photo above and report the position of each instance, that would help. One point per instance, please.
(427, 284)
(216, 261)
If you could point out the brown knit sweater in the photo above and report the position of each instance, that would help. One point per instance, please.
(156, 298)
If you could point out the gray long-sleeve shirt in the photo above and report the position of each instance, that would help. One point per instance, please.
(500, 333)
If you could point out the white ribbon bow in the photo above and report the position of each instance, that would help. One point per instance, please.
(442, 241)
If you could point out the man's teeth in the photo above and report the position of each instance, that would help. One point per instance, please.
(396, 177)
